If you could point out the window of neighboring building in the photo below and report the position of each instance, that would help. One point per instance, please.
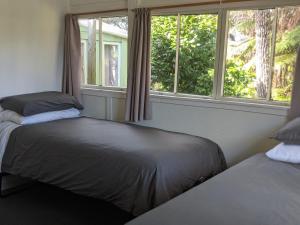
(112, 64)
(104, 51)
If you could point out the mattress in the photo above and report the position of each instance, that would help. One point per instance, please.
(136, 168)
(5, 130)
(255, 192)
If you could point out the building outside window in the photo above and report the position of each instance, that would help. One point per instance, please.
(104, 51)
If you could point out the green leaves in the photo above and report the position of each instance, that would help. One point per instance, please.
(196, 58)
(239, 82)
(197, 53)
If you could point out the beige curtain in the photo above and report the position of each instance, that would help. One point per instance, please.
(139, 72)
(72, 57)
(295, 105)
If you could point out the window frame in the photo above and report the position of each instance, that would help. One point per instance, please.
(221, 46)
(222, 12)
(99, 17)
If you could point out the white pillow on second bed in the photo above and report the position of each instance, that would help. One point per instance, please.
(8, 115)
(285, 153)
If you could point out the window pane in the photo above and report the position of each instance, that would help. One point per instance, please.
(248, 60)
(198, 39)
(115, 38)
(164, 35)
(104, 51)
(287, 42)
(89, 29)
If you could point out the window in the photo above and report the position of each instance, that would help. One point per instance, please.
(184, 53)
(104, 43)
(112, 64)
(257, 61)
(261, 53)
(286, 43)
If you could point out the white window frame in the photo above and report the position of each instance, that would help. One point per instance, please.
(222, 11)
(100, 16)
(221, 46)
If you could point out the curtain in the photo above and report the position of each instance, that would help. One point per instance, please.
(139, 72)
(72, 57)
(295, 104)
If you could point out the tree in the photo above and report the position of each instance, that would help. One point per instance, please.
(262, 56)
(164, 33)
(121, 22)
(248, 61)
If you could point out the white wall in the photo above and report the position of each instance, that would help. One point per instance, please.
(240, 129)
(31, 45)
(96, 5)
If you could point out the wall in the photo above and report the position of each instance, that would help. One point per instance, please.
(96, 5)
(240, 129)
(31, 45)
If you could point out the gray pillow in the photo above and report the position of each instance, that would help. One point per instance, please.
(35, 103)
(290, 133)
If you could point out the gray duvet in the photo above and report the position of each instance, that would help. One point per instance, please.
(258, 191)
(133, 167)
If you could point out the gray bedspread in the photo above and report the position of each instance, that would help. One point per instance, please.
(133, 167)
(258, 191)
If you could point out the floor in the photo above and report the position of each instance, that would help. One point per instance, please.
(46, 205)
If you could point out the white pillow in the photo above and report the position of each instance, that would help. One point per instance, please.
(8, 115)
(285, 153)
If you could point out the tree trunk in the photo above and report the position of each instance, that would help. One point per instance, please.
(92, 40)
(262, 29)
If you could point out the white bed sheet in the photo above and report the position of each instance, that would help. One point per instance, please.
(5, 130)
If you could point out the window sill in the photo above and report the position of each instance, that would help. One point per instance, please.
(194, 101)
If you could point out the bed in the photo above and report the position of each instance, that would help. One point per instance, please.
(255, 192)
(136, 168)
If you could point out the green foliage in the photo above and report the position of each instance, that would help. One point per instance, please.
(197, 58)
(238, 82)
(164, 33)
(288, 42)
(197, 54)
(282, 94)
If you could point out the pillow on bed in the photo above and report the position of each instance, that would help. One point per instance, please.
(35, 103)
(290, 133)
(12, 116)
(285, 153)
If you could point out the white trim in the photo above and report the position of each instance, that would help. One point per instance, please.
(195, 102)
(178, 44)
